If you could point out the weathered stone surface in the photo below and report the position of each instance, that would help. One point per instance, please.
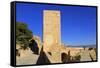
(51, 34)
(26, 57)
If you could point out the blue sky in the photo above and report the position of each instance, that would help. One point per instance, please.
(78, 24)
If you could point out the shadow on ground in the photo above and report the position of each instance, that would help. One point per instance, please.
(43, 59)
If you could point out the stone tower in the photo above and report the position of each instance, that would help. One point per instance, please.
(52, 35)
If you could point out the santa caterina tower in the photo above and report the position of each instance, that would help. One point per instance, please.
(52, 34)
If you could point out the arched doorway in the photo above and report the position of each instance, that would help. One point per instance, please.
(63, 57)
(34, 46)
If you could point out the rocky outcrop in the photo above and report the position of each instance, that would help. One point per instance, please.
(27, 56)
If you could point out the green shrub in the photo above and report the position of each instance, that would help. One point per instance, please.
(23, 34)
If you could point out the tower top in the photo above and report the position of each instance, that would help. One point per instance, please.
(52, 11)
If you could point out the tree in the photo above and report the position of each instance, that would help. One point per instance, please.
(23, 34)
